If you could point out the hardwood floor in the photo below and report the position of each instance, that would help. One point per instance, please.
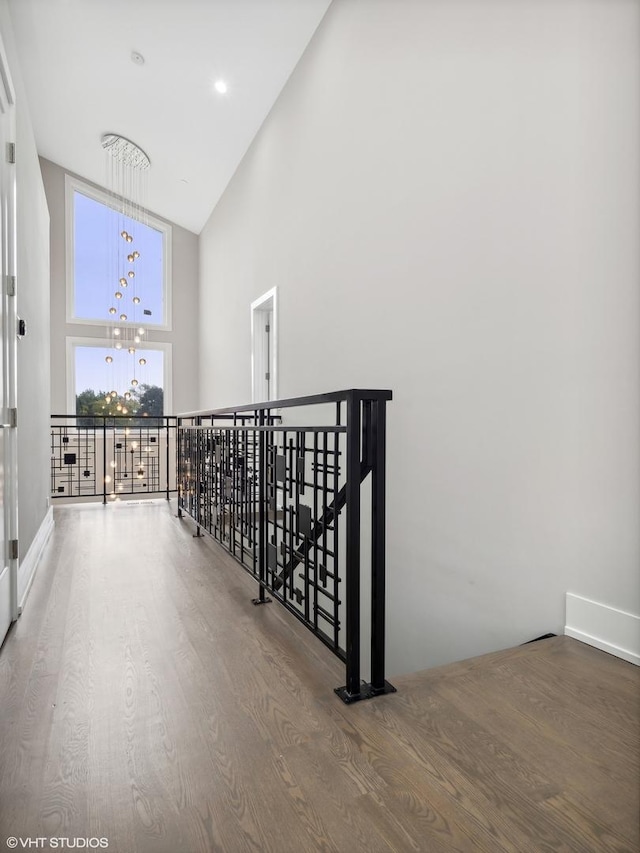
(146, 701)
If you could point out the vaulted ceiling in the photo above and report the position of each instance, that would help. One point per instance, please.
(82, 82)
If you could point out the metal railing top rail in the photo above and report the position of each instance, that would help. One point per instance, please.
(133, 417)
(245, 428)
(290, 402)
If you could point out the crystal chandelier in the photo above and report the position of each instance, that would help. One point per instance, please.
(127, 168)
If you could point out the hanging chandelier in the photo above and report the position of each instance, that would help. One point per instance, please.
(125, 151)
(127, 167)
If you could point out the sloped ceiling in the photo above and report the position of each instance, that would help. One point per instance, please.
(81, 83)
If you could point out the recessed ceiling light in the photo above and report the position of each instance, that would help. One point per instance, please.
(221, 87)
(137, 58)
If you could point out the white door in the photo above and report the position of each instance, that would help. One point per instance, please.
(8, 353)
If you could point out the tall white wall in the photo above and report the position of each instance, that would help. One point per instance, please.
(33, 398)
(184, 275)
(447, 195)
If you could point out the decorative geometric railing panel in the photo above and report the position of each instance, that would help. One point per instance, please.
(112, 458)
(300, 499)
(284, 498)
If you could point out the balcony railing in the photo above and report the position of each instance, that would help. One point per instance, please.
(295, 491)
(112, 457)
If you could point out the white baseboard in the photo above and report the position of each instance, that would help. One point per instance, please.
(31, 560)
(614, 631)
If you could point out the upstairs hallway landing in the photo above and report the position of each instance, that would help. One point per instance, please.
(145, 700)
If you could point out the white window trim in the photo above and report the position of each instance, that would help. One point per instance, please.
(74, 184)
(73, 342)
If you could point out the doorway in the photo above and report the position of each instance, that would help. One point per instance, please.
(264, 347)
(8, 354)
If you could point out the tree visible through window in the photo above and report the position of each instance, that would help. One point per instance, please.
(97, 383)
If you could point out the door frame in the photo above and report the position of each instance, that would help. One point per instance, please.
(262, 308)
(8, 261)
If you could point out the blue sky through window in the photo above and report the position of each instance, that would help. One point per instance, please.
(100, 260)
(92, 372)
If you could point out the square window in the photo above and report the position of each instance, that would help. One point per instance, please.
(140, 388)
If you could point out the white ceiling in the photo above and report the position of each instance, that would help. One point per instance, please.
(75, 58)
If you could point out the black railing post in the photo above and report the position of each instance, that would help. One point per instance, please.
(378, 438)
(352, 688)
(199, 475)
(180, 475)
(104, 460)
(261, 470)
(166, 426)
(262, 512)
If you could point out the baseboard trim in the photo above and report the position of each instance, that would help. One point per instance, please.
(607, 628)
(29, 565)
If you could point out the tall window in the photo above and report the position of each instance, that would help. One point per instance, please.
(118, 284)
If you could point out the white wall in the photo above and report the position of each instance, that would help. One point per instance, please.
(33, 306)
(447, 196)
(184, 333)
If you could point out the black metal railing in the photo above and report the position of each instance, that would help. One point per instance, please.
(113, 457)
(286, 499)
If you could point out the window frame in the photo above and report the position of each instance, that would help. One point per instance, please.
(74, 341)
(73, 185)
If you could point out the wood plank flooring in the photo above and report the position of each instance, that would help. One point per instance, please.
(146, 701)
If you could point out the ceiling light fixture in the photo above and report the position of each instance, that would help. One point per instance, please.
(221, 87)
(137, 58)
(127, 171)
(128, 154)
